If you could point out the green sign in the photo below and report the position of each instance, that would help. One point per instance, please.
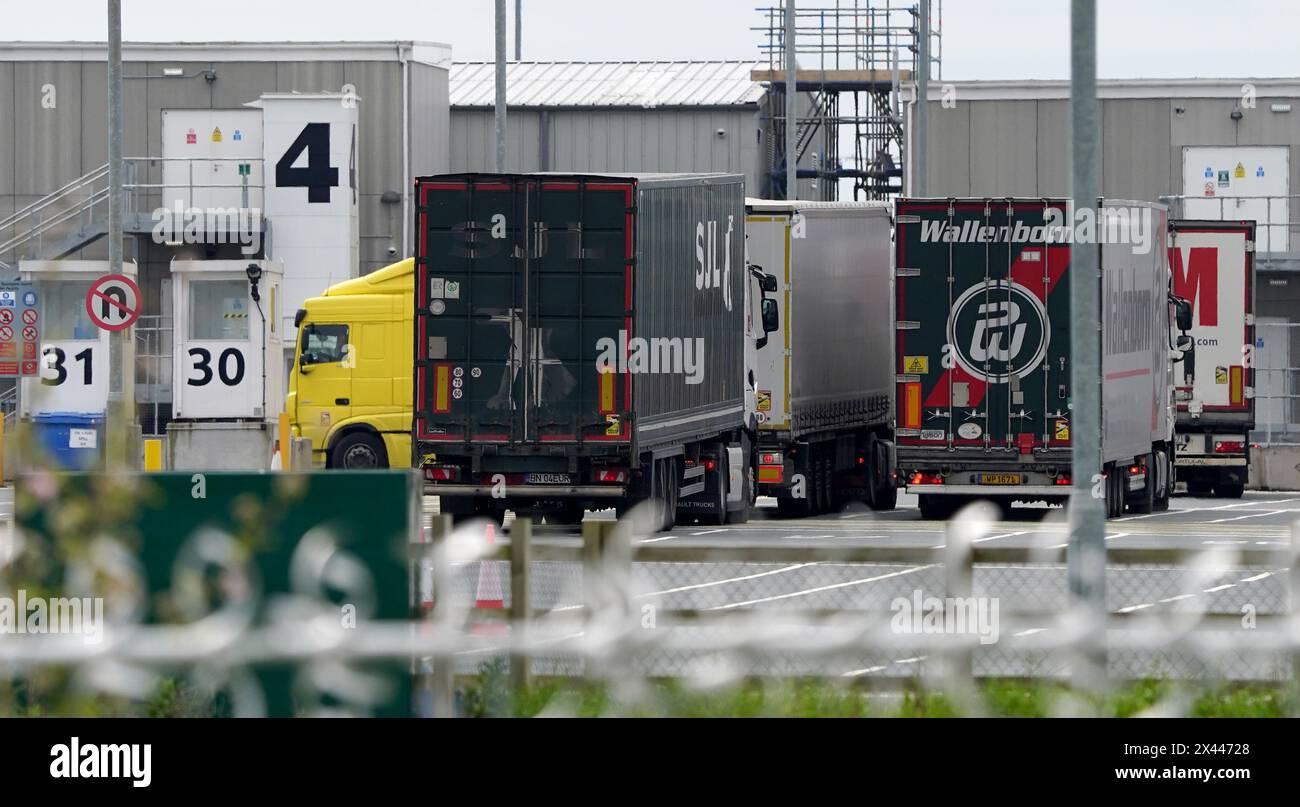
(242, 559)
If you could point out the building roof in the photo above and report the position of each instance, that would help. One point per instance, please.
(1119, 88)
(607, 84)
(431, 53)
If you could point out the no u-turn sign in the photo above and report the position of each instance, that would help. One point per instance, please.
(113, 302)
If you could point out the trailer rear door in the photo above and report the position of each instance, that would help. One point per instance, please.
(522, 288)
(982, 317)
(1213, 264)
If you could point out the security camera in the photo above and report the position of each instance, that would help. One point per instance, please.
(392, 251)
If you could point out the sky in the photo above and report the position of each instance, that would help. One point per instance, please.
(982, 39)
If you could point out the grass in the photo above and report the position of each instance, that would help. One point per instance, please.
(489, 694)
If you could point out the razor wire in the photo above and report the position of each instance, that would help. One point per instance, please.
(616, 611)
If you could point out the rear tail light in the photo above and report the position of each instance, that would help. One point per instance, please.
(921, 478)
(709, 465)
(862, 460)
(1134, 470)
(1228, 446)
(769, 458)
(1063, 479)
(611, 476)
(442, 473)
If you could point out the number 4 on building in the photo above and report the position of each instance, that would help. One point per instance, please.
(318, 177)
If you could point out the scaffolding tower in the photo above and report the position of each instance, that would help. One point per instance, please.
(852, 56)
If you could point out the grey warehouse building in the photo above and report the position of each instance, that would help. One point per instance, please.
(612, 116)
(55, 94)
(1212, 148)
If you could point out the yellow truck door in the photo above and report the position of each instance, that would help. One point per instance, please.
(324, 379)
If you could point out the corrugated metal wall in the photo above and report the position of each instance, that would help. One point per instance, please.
(1019, 147)
(43, 148)
(636, 140)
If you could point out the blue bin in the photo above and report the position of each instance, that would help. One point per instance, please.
(74, 441)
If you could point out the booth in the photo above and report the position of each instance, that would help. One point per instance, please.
(227, 364)
(64, 404)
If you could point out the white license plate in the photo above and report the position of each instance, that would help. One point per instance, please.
(548, 479)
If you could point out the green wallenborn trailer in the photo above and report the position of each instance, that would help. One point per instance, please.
(982, 321)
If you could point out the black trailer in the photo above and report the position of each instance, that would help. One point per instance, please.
(579, 343)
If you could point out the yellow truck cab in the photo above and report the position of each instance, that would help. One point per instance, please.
(350, 386)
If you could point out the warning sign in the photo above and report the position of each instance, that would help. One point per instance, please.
(17, 305)
(916, 365)
(113, 302)
(764, 400)
(1220, 375)
(1223, 179)
(1062, 430)
(1240, 171)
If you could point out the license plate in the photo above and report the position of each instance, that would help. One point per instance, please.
(999, 479)
(547, 479)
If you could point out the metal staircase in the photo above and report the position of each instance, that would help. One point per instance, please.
(59, 223)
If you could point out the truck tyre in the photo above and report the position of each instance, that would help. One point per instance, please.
(567, 516)
(884, 495)
(741, 516)
(1114, 492)
(1145, 501)
(1229, 490)
(359, 451)
(826, 477)
(933, 506)
(1166, 487)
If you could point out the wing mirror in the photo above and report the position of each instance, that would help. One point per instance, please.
(1182, 314)
(771, 315)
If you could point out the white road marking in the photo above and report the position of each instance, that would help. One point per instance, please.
(1224, 543)
(1260, 576)
(831, 587)
(1219, 588)
(912, 660)
(711, 532)
(1029, 632)
(656, 540)
(711, 583)
(995, 537)
(801, 537)
(1130, 609)
(863, 671)
(1178, 597)
(1253, 515)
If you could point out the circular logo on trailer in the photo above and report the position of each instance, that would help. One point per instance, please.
(998, 331)
(969, 431)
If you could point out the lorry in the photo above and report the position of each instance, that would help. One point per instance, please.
(1213, 265)
(983, 318)
(585, 341)
(825, 375)
(350, 384)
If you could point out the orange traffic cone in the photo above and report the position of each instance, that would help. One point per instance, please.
(489, 593)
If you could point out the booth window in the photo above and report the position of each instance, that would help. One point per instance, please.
(219, 310)
(323, 344)
(65, 315)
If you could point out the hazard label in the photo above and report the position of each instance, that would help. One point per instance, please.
(916, 365)
(1062, 430)
(1240, 171)
(764, 400)
(1220, 375)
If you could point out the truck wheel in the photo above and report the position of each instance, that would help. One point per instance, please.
(884, 495)
(741, 516)
(1166, 486)
(1146, 500)
(1114, 492)
(1229, 491)
(933, 506)
(567, 516)
(718, 516)
(359, 451)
